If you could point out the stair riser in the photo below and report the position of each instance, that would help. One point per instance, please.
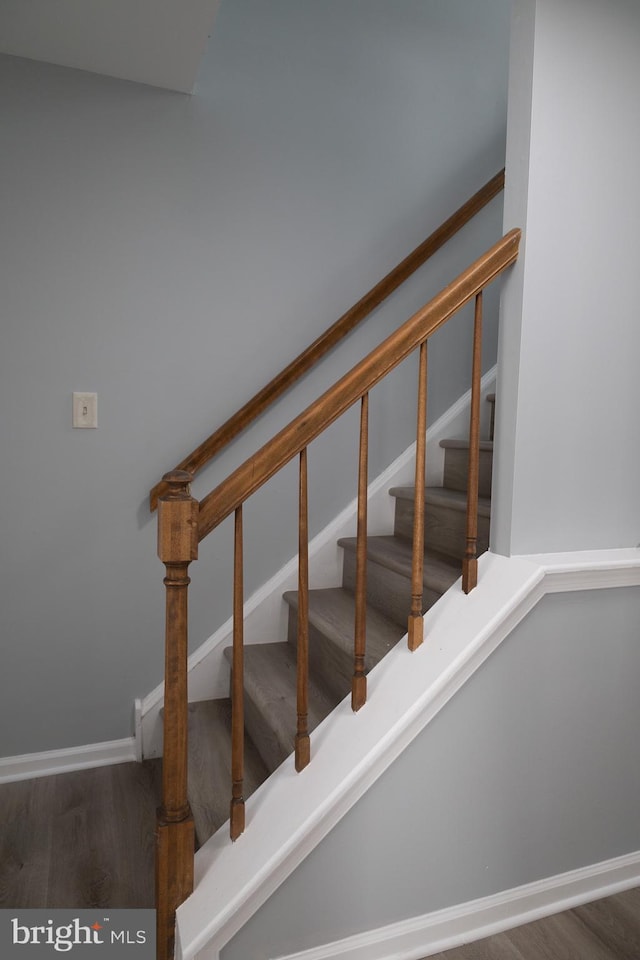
(210, 766)
(331, 667)
(265, 740)
(273, 743)
(387, 591)
(444, 528)
(456, 468)
(270, 708)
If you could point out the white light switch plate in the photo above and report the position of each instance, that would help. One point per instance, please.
(85, 410)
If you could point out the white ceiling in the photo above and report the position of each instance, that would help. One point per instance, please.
(159, 42)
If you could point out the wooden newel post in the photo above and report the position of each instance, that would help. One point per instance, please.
(177, 547)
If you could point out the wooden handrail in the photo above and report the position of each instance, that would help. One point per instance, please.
(259, 468)
(210, 447)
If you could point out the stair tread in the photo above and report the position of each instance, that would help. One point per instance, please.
(453, 499)
(210, 765)
(270, 682)
(332, 612)
(396, 553)
(454, 444)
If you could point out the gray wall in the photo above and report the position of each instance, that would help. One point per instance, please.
(530, 771)
(172, 253)
(568, 456)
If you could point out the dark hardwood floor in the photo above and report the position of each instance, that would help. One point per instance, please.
(82, 839)
(86, 839)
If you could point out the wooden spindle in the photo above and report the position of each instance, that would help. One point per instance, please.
(359, 682)
(237, 686)
(303, 743)
(177, 547)
(416, 625)
(470, 561)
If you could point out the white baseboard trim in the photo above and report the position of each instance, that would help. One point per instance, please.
(137, 726)
(265, 613)
(50, 762)
(445, 929)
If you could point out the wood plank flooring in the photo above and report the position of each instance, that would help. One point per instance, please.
(86, 839)
(81, 839)
(606, 929)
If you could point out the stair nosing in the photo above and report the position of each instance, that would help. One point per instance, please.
(433, 560)
(486, 446)
(321, 623)
(452, 499)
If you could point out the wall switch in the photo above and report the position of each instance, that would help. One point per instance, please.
(85, 409)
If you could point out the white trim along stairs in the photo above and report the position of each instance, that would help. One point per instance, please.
(290, 813)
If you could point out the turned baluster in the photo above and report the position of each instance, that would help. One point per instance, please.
(416, 627)
(177, 547)
(470, 561)
(303, 743)
(359, 681)
(237, 688)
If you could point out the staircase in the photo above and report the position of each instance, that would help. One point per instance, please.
(454, 526)
(270, 668)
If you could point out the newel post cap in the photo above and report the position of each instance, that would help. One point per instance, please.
(177, 520)
(178, 482)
